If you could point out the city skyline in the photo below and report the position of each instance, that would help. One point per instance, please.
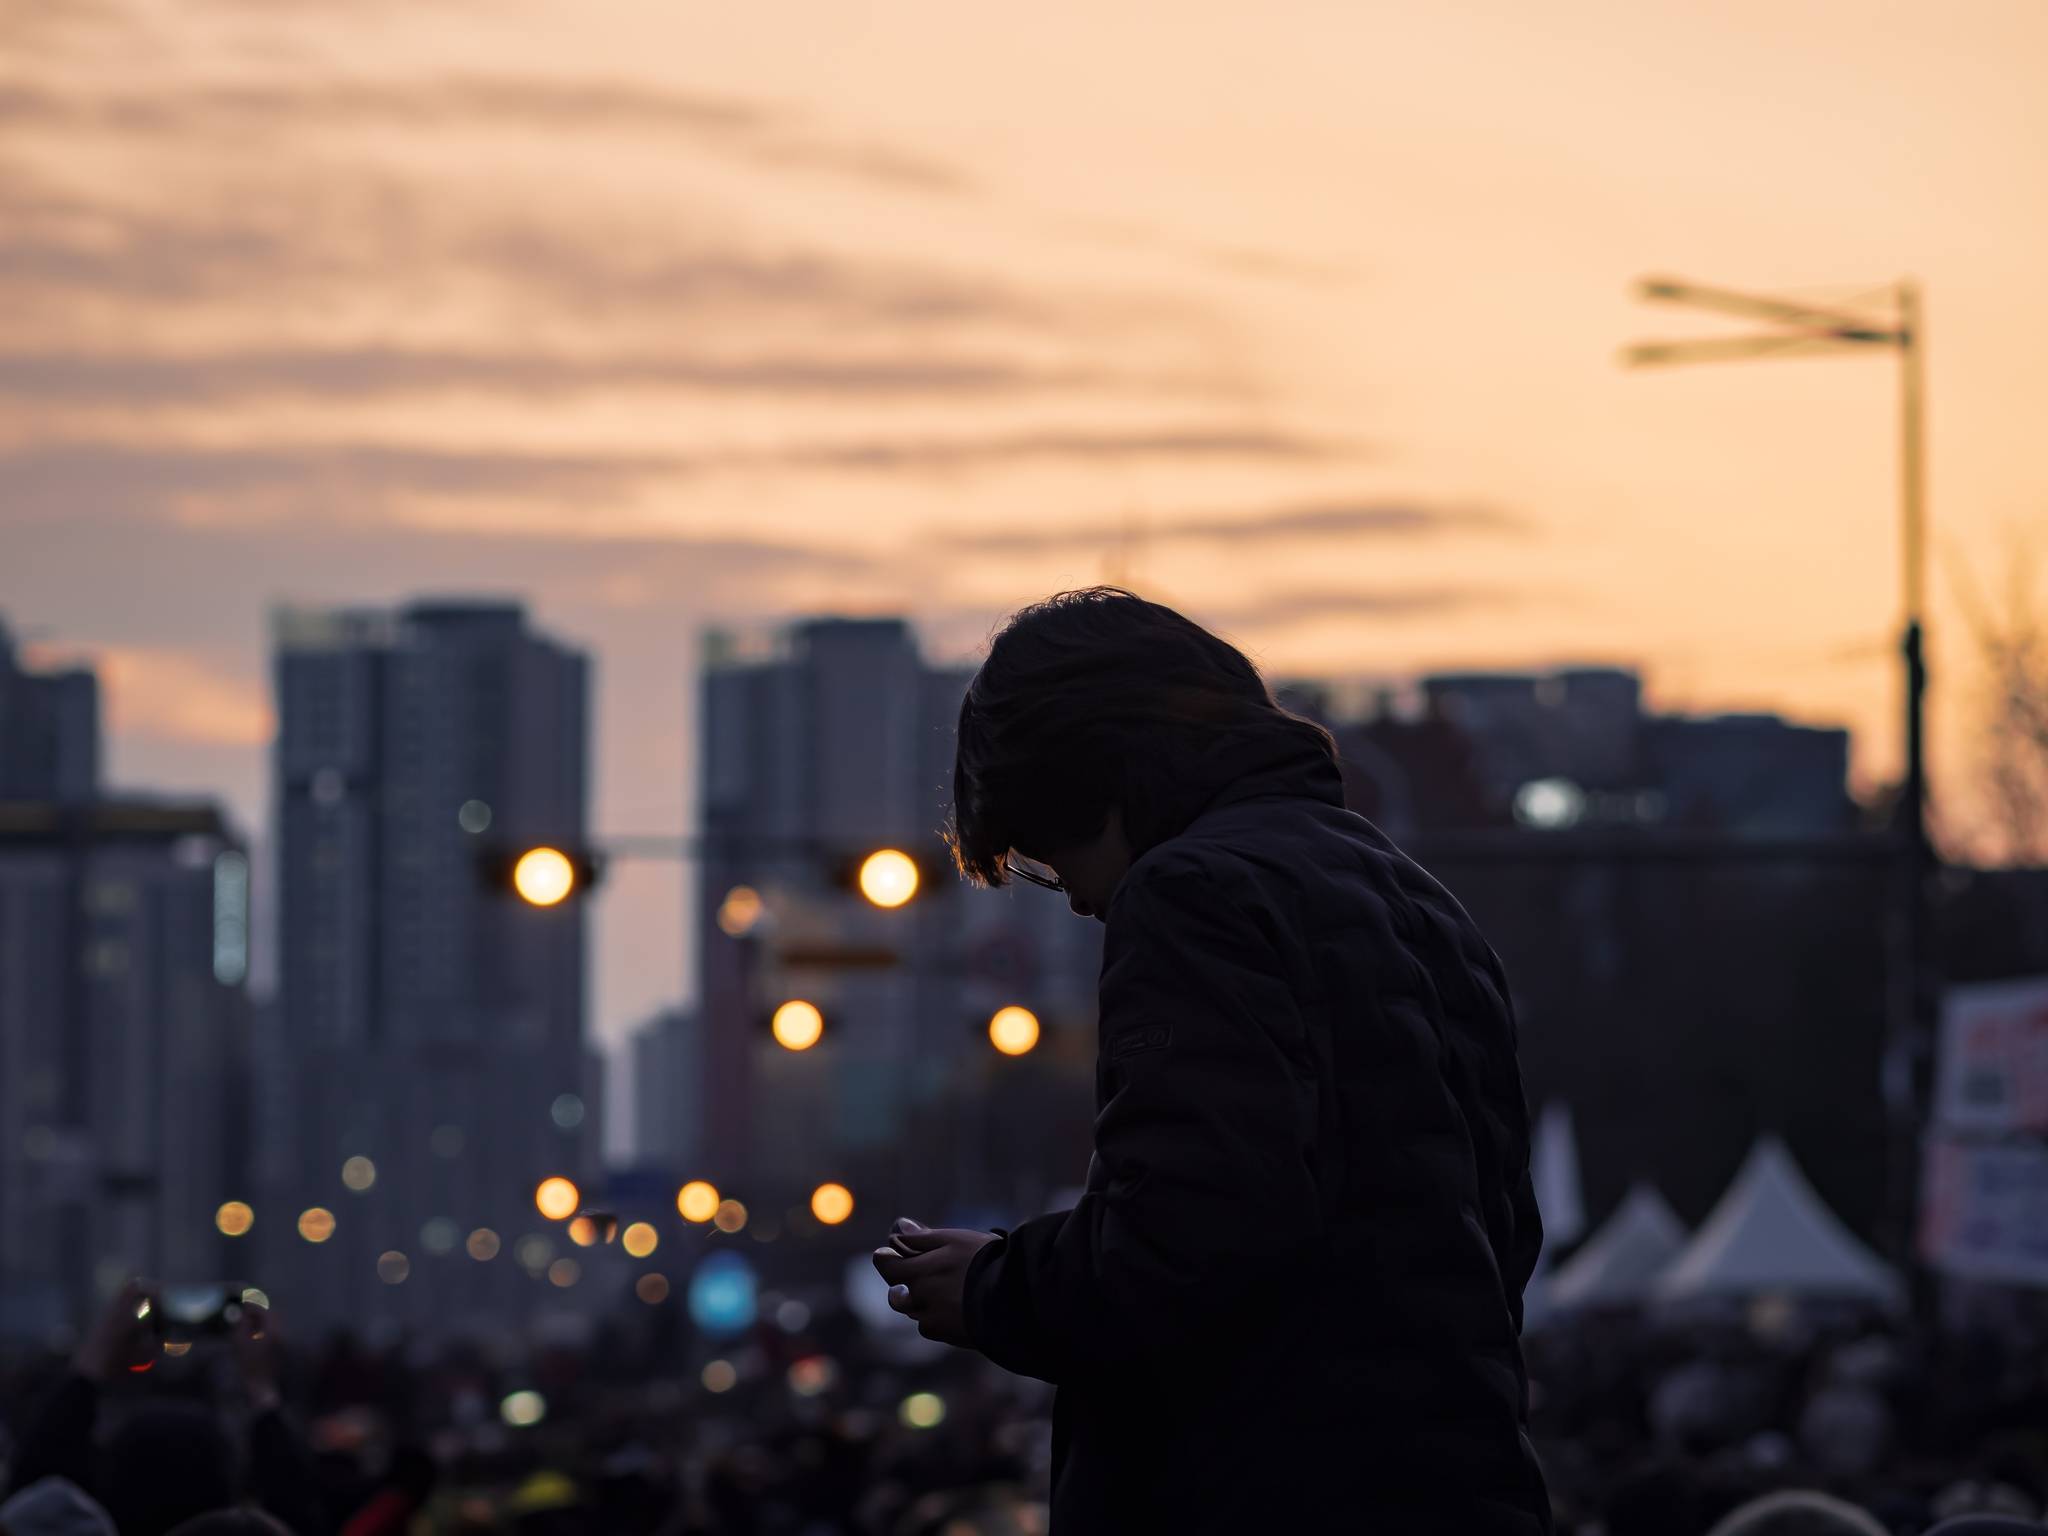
(654, 986)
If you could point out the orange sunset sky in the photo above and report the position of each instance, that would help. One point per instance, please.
(1303, 316)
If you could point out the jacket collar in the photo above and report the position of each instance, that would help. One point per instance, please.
(1283, 766)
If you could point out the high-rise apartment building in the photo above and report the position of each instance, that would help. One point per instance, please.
(434, 1054)
(829, 741)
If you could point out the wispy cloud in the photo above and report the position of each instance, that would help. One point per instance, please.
(1337, 519)
(288, 485)
(156, 379)
(178, 695)
(1195, 441)
(377, 482)
(756, 134)
(1289, 608)
(358, 238)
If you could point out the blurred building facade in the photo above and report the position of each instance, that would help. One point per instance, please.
(435, 1066)
(123, 1019)
(49, 730)
(1688, 913)
(668, 1102)
(1576, 748)
(821, 743)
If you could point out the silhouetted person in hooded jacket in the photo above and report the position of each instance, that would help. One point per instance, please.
(1290, 1297)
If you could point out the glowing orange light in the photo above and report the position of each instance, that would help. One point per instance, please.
(316, 1224)
(740, 910)
(234, 1218)
(543, 876)
(697, 1201)
(1013, 1030)
(556, 1198)
(797, 1025)
(640, 1240)
(831, 1203)
(888, 877)
(731, 1216)
(652, 1289)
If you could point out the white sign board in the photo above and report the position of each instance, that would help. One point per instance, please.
(1992, 1072)
(1984, 1210)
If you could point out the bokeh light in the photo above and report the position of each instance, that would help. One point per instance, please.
(359, 1173)
(533, 1252)
(888, 877)
(474, 816)
(566, 1111)
(523, 1410)
(583, 1232)
(831, 1203)
(557, 1198)
(564, 1273)
(253, 1297)
(792, 1316)
(439, 1235)
(811, 1375)
(922, 1410)
(697, 1201)
(393, 1267)
(798, 1025)
(543, 876)
(718, 1376)
(731, 1216)
(1013, 1030)
(652, 1289)
(234, 1218)
(483, 1245)
(740, 910)
(640, 1240)
(316, 1224)
(722, 1294)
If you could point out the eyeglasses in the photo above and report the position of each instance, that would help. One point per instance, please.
(1032, 872)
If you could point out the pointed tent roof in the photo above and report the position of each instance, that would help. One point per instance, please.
(1554, 1171)
(1771, 1233)
(1621, 1262)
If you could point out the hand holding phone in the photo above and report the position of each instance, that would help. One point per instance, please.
(124, 1337)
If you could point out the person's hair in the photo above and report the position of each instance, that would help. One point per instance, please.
(1798, 1512)
(1097, 699)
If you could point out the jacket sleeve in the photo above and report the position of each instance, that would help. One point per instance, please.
(1203, 1187)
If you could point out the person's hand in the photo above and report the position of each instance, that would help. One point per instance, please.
(123, 1335)
(256, 1356)
(927, 1273)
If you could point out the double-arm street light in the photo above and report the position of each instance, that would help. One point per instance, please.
(1799, 328)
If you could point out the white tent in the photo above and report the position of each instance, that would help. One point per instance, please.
(1554, 1171)
(1771, 1233)
(1621, 1262)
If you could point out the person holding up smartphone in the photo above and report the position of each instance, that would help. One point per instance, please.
(168, 1462)
(1290, 1296)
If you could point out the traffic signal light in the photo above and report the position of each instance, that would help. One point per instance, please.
(797, 1025)
(544, 875)
(887, 878)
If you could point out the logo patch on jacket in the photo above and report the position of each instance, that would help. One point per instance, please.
(1150, 1038)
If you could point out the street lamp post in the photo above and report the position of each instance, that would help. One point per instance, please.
(1803, 329)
